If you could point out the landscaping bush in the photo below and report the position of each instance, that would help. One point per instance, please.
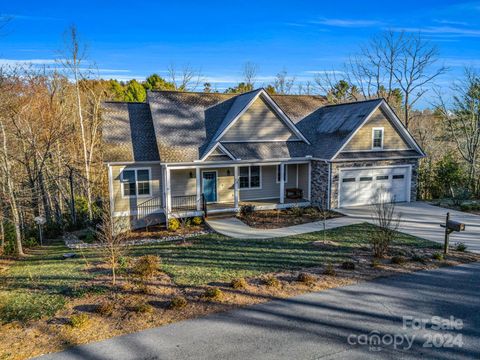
(79, 321)
(311, 211)
(25, 307)
(437, 256)
(239, 283)
(247, 210)
(272, 281)
(197, 220)
(329, 270)
(105, 308)
(398, 259)
(460, 246)
(178, 302)
(147, 266)
(386, 223)
(214, 294)
(418, 258)
(31, 242)
(375, 263)
(123, 264)
(143, 308)
(306, 278)
(173, 224)
(297, 211)
(348, 265)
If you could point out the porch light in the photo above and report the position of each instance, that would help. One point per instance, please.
(228, 172)
(191, 175)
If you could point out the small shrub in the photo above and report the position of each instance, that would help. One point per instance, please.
(197, 220)
(460, 247)
(348, 265)
(123, 264)
(147, 266)
(418, 258)
(79, 321)
(297, 211)
(466, 207)
(329, 270)
(310, 211)
(143, 308)
(173, 224)
(239, 283)
(272, 281)
(214, 294)
(375, 263)
(247, 210)
(437, 256)
(398, 259)
(178, 302)
(105, 308)
(31, 242)
(306, 278)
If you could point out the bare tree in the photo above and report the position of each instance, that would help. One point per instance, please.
(387, 223)
(187, 79)
(463, 122)
(282, 83)
(250, 74)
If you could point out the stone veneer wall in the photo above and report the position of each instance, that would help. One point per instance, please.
(336, 167)
(319, 185)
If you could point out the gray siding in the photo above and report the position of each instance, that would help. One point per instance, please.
(259, 122)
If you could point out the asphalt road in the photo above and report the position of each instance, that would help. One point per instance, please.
(333, 324)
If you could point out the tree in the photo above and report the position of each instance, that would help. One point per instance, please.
(250, 74)
(135, 92)
(239, 89)
(207, 87)
(187, 79)
(462, 120)
(387, 223)
(156, 82)
(282, 83)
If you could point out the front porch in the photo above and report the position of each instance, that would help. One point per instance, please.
(194, 191)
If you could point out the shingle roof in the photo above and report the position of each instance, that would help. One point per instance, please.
(180, 126)
(128, 133)
(377, 154)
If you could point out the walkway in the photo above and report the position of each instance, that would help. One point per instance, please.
(236, 228)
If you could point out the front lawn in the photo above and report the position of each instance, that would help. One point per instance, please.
(45, 292)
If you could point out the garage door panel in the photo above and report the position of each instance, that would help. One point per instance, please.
(369, 186)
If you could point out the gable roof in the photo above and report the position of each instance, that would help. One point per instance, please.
(184, 127)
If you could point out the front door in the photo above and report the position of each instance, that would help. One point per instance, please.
(209, 186)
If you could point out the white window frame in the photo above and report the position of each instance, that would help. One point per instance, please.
(285, 173)
(382, 130)
(250, 178)
(135, 170)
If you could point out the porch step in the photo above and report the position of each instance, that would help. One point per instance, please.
(220, 215)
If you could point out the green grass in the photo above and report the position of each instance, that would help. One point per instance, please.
(210, 258)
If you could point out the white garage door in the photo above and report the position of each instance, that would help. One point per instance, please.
(369, 186)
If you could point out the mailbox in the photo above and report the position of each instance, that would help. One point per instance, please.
(455, 225)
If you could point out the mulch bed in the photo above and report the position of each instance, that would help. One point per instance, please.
(160, 231)
(274, 219)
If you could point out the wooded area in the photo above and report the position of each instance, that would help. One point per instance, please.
(50, 126)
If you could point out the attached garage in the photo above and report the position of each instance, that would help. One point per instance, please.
(370, 185)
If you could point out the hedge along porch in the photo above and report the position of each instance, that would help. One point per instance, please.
(225, 188)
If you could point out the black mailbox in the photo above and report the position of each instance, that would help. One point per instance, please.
(455, 225)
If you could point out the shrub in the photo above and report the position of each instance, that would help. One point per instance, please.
(25, 307)
(311, 211)
(246, 210)
(214, 294)
(123, 264)
(418, 258)
(329, 270)
(306, 278)
(143, 308)
(387, 222)
(30, 242)
(297, 211)
(348, 265)
(466, 207)
(147, 266)
(272, 281)
(239, 283)
(79, 321)
(437, 256)
(375, 263)
(460, 246)
(105, 308)
(173, 224)
(197, 220)
(178, 302)
(398, 259)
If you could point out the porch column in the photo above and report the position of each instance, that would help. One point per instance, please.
(199, 189)
(168, 199)
(282, 183)
(310, 181)
(236, 189)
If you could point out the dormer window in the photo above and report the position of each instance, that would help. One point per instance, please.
(377, 138)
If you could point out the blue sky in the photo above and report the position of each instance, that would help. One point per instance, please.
(133, 39)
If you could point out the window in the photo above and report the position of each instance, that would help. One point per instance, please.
(377, 136)
(366, 178)
(396, 177)
(135, 182)
(285, 174)
(382, 177)
(348, 180)
(250, 177)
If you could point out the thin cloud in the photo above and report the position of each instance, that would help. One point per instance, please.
(326, 72)
(348, 23)
(14, 62)
(449, 31)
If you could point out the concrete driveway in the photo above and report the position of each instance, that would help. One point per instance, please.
(423, 220)
(332, 324)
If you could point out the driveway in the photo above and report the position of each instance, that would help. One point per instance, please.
(423, 220)
(332, 324)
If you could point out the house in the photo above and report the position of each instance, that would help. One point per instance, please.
(184, 154)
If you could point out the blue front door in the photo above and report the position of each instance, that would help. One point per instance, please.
(210, 185)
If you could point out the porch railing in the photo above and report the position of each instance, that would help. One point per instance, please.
(184, 203)
(149, 207)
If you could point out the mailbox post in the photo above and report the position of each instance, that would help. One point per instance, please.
(450, 226)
